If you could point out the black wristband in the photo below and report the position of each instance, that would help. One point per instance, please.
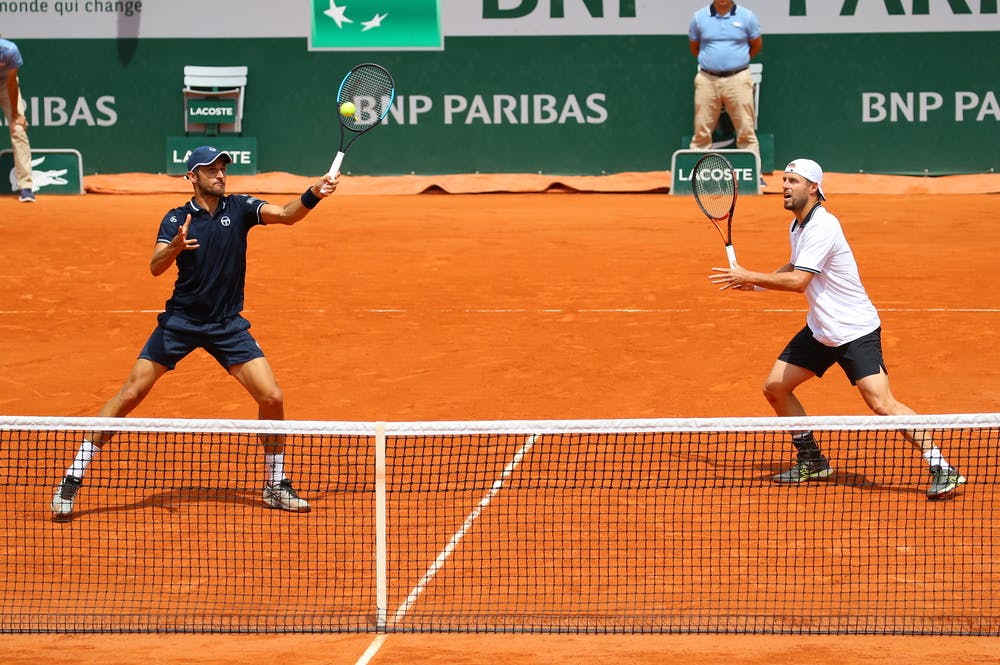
(309, 199)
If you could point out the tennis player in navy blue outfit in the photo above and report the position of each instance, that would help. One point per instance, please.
(207, 240)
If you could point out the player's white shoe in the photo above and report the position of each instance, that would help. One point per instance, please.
(284, 497)
(62, 502)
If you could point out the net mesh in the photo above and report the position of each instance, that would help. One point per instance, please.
(624, 526)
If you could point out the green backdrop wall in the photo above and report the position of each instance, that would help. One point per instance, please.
(894, 103)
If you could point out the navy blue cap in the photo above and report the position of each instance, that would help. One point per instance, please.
(205, 155)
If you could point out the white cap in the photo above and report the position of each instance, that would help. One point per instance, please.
(809, 170)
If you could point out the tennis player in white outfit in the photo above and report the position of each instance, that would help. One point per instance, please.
(842, 326)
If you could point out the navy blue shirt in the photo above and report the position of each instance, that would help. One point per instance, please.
(210, 279)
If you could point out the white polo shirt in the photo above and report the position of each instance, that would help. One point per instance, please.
(840, 310)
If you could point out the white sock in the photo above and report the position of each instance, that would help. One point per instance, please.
(935, 458)
(274, 468)
(82, 460)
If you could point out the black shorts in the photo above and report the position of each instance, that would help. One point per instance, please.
(859, 358)
(229, 341)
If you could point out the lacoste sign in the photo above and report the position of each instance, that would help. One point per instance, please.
(211, 111)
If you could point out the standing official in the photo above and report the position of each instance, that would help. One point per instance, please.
(724, 37)
(14, 106)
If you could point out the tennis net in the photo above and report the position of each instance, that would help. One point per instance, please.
(526, 526)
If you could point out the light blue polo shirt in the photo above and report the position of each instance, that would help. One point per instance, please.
(10, 57)
(723, 38)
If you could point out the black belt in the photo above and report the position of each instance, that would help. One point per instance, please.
(731, 72)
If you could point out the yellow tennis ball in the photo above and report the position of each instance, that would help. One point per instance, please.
(347, 109)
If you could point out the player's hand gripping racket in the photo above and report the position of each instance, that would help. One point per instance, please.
(369, 88)
(715, 188)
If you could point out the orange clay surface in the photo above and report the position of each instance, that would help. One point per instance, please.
(387, 306)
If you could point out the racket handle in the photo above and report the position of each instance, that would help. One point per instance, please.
(731, 254)
(337, 161)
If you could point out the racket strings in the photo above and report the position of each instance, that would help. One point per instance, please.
(370, 89)
(714, 185)
(716, 203)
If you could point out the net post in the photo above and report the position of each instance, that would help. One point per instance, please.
(381, 592)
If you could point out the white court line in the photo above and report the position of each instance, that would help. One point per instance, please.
(372, 649)
(457, 537)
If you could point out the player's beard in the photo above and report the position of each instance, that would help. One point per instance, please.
(211, 187)
(795, 203)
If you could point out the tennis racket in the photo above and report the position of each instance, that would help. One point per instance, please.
(715, 189)
(371, 89)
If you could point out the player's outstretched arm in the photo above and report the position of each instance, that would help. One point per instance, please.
(298, 208)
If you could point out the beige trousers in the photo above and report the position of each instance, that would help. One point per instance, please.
(18, 140)
(735, 93)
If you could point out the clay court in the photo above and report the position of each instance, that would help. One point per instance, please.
(404, 299)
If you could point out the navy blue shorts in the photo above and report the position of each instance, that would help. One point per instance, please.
(229, 341)
(859, 358)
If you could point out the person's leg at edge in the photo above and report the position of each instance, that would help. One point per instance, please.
(707, 109)
(20, 146)
(257, 377)
(140, 381)
(876, 392)
(738, 100)
(779, 390)
(22, 156)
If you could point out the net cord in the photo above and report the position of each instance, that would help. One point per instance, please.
(527, 427)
